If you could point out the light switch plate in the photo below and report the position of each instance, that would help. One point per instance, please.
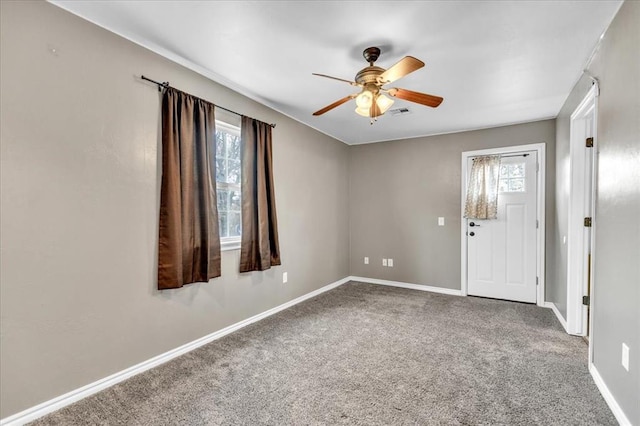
(366, 260)
(384, 262)
(625, 356)
(441, 221)
(285, 277)
(390, 263)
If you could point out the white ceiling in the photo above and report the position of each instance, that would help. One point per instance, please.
(494, 62)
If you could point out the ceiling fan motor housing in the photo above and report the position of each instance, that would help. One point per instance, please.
(368, 75)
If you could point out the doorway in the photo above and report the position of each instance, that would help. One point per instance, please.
(581, 217)
(503, 258)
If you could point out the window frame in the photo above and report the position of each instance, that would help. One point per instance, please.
(229, 243)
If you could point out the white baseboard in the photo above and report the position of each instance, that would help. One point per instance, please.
(608, 397)
(68, 398)
(555, 310)
(420, 287)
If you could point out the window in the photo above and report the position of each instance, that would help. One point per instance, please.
(511, 177)
(228, 184)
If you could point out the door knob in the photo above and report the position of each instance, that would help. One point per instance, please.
(471, 234)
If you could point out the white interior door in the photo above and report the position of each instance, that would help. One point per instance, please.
(501, 253)
(583, 122)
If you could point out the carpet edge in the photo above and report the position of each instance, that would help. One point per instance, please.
(411, 286)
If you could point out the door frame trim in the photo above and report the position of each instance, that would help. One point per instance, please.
(540, 148)
(576, 245)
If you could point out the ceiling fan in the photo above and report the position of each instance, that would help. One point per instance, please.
(372, 101)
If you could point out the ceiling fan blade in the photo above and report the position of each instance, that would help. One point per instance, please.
(333, 105)
(353, 83)
(417, 97)
(404, 66)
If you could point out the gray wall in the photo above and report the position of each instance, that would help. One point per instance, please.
(399, 189)
(616, 310)
(79, 207)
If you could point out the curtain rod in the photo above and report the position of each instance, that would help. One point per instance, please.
(504, 156)
(515, 155)
(165, 84)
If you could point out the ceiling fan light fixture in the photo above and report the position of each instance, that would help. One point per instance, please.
(384, 103)
(364, 99)
(363, 111)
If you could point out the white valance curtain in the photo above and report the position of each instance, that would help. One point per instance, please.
(482, 190)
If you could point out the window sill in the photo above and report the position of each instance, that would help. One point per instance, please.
(230, 245)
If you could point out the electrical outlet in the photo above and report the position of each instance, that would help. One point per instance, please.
(285, 277)
(390, 263)
(366, 260)
(441, 221)
(384, 262)
(625, 356)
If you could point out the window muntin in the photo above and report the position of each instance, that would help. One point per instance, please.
(228, 179)
(512, 177)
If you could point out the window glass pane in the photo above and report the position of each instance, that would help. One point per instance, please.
(223, 200)
(504, 170)
(228, 177)
(219, 145)
(504, 185)
(223, 224)
(517, 170)
(234, 146)
(234, 203)
(221, 170)
(516, 185)
(235, 225)
(233, 171)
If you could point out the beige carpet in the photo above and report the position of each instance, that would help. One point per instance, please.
(364, 354)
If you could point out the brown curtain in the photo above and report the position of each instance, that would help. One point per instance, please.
(259, 249)
(189, 242)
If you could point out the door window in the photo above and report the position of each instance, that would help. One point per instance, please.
(512, 178)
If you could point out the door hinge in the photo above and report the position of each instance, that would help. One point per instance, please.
(589, 142)
(536, 280)
(587, 222)
(537, 224)
(586, 300)
(537, 167)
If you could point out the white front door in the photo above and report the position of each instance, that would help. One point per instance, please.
(501, 253)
